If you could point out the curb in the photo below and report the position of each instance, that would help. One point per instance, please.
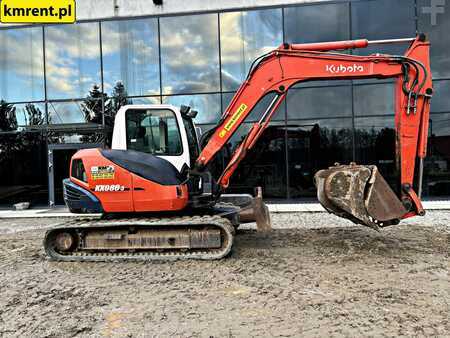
(274, 208)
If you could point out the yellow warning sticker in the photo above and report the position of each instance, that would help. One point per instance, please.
(102, 172)
(232, 121)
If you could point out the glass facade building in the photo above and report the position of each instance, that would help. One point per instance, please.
(60, 86)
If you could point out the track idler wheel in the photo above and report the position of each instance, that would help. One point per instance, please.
(360, 194)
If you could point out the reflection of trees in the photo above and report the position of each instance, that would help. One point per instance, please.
(92, 105)
(92, 109)
(35, 117)
(118, 99)
(13, 141)
(334, 145)
(8, 121)
(375, 145)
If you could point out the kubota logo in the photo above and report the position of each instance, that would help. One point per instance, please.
(335, 69)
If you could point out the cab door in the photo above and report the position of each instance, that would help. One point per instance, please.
(156, 131)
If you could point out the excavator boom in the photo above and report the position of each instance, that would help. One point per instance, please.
(356, 192)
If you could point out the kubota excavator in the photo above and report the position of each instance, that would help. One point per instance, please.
(155, 188)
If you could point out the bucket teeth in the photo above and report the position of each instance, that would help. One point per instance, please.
(360, 194)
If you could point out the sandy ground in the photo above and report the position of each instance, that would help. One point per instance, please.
(314, 275)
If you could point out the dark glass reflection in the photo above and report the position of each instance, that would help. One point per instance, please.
(130, 55)
(440, 103)
(375, 144)
(318, 23)
(61, 168)
(373, 99)
(437, 33)
(314, 145)
(23, 168)
(243, 37)
(319, 102)
(207, 105)
(383, 19)
(21, 65)
(190, 54)
(72, 59)
(437, 163)
(264, 165)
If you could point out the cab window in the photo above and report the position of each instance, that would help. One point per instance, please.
(153, 131)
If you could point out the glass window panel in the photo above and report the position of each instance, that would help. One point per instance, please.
(8, 117)
(153, 131)
(75, 111)
(374, 99)
(440, 124)
(314, 145)
(375, 144)
(383, 19)
(30, 114)
(144, 100)
(330, 22)
(131, 56)
(319, 102)
(437, 162)
(23, 168)
(207, 105)
(245, 36)
(438, 34)
(21, 65)
(190, 54)
(264, 165)
(440, 102)
(81, 136)
(72, 59)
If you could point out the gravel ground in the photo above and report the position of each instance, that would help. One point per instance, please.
(314, 275)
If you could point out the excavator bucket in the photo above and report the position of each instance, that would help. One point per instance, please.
(360, 194)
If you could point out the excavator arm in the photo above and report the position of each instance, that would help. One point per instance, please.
(355, 192)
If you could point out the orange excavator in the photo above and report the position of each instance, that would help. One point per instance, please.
(155, 189)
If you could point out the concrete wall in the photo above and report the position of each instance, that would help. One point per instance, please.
(101, 9)
(89, 9)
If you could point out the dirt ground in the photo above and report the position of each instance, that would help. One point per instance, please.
(314, 275)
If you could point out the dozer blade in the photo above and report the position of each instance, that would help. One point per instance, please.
(360, 194)
(257, 211)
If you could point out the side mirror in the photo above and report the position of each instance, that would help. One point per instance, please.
(192, 114)
(184, 110)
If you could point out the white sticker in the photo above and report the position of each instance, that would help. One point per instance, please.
(109, 188)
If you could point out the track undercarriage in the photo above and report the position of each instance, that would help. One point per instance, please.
(188, 237)
(205, 236)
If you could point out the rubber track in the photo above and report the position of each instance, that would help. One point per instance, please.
(200, 254)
